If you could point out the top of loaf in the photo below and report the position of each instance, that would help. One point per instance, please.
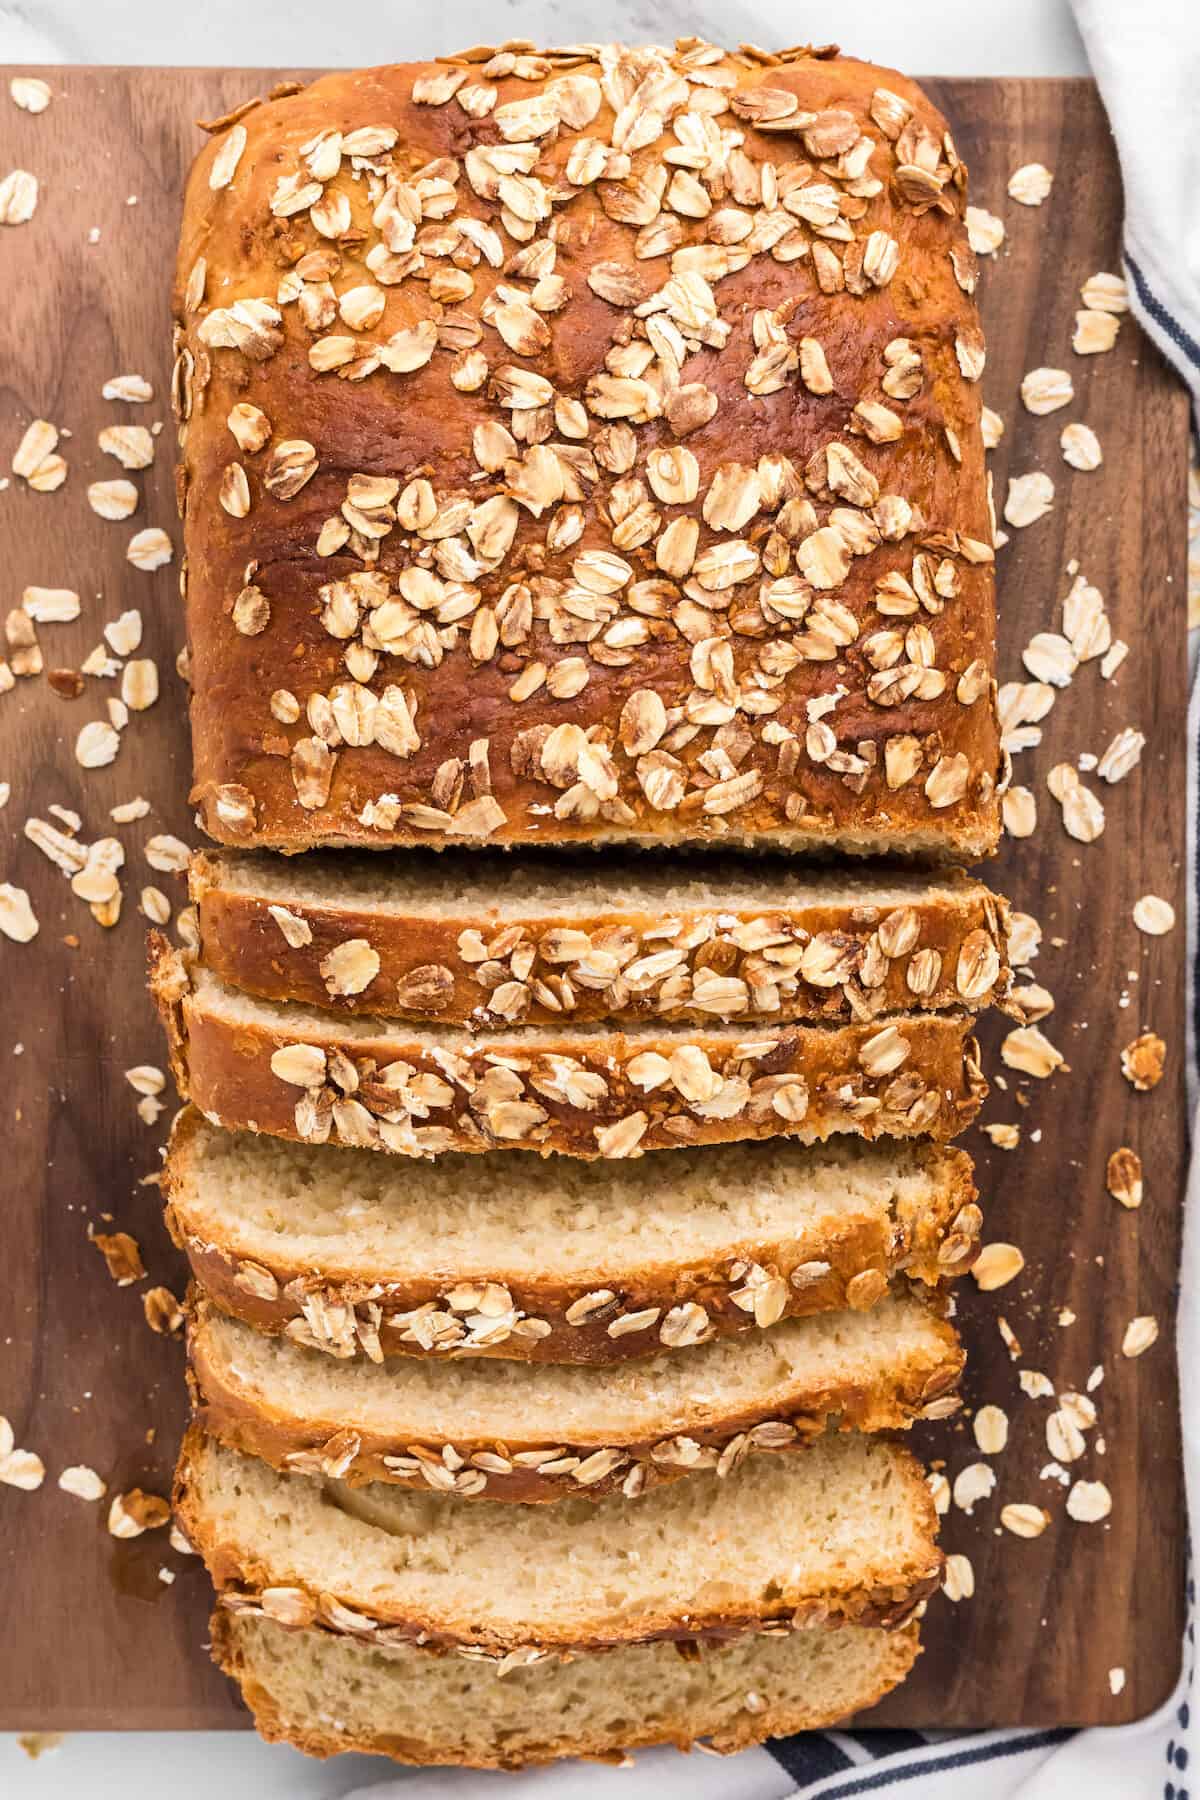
(585, 446)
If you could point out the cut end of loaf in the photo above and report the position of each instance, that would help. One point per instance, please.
(328, 1695)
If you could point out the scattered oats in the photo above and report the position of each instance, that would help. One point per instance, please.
(30, 93)
(997, 1265)
(990, 1426)
(83, 1482)
(166, 854)
(96, 745)
(1083, 813)
(1030, 1051)
(1045, 390)
(1009, 1338)
(985, 232)
(1081, 447)
(37, 445)
(124, 633)
(1005, 1137)
(5, 792)
(1116, 1681)
(1030, 497)
(1030, 184)
(18, 1468)
(149, 549)
(1050, 658)
(1095, 1378)
(993, 428)
(18, 197)
(1036, 1385)
(146, 1079)
(17, 919)
(154, 905)
(1142, 1061)
(1024, 1520)
(1095, 332)
(1020, 812)
(1140, 1333)
(1123, 1177)
(139, 684)
(132, 1513)
(1154, 916)
(958, 1581)
(1113, 659)
(134, 388)
(1105, 293)
(1089, 1501)
(939, 1492)
(1122, 755)
(1065, 1317)
(132, 445)
(112, 499)
(972, 1484)
(1064, 1439)
(50, 606)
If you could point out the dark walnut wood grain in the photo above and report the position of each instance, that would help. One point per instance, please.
(93, 1638)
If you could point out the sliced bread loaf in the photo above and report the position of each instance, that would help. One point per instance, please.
(293, 1071)
(490, 942)
(556, 1259)
(327, 1694)
(843, 1533)
(502, 1432)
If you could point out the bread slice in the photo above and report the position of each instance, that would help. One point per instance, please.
(325, 1694)
(844, 1533)
(501, 1432)
(586, 1090)
(555, 1259)
(491, 942)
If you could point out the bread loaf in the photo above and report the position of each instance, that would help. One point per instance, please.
(497, 1431)
(292, 1071)
(843, 1533)
(557, 1259)
(586, 448)
(489, 942)
(327, 1694)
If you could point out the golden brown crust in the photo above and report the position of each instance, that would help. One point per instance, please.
(775, 962)
(754, 1723)
(481, 1468)
(247, 1580)
(588, 1093)
(387, 1311)
(611, 310)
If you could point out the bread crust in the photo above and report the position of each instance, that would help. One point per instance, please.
(752, 1725)
(486, 972)
(919, 1384)
(574, 1095)
(383, 1311)
(247, 1579)
(431, 724)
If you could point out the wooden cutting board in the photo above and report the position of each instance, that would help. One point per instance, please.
(92, 1637)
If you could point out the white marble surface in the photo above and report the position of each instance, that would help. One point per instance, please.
(934, 37)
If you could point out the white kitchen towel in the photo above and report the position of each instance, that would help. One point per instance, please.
(1145, 55)
(1146, 58)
